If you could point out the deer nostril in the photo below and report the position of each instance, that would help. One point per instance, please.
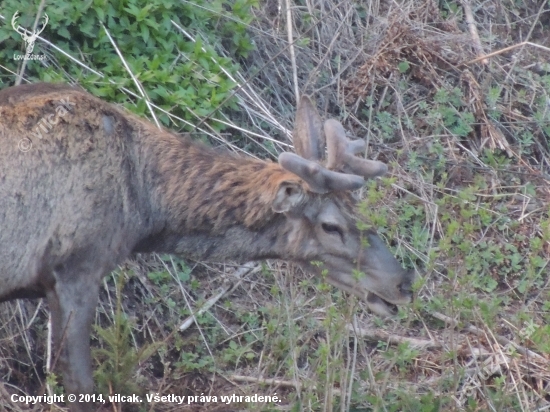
(406, 287)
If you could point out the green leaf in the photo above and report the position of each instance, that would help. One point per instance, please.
(62, 31)
(144, 32)
(100, 13)
(403, 66)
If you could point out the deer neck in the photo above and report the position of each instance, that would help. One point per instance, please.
(214, 206)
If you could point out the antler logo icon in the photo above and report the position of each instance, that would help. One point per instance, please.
(29, 39)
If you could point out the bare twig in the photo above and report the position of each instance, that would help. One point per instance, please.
(35, 25)
(380, 335)
(469, 17)
(278, 382)
(289, 23)
(239, 274)
(5, 395)
(134, 78)
(504, 50)
(500, 339)
(289, 384)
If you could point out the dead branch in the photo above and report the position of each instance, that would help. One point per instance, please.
(500, 339)
(380, 335)
(229, 286)
(289, 384)
(504, 50)
(469, 17)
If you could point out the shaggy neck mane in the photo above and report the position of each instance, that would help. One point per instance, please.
(219, 191)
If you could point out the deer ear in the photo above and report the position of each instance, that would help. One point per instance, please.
(289, 194)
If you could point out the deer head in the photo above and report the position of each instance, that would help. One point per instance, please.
(325, 211)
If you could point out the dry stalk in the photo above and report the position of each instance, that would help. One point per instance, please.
(380, 335)
(19, 77)
(268, 381)
(289, 23)
(506, 49)
(469, 17)
(227, 287)
(6, 399)
(137, 83)
(500, 339)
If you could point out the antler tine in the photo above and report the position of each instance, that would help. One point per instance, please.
(308, 136)
(319, 179)
(341, 153)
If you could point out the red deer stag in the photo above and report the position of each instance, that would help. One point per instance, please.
(84, 185)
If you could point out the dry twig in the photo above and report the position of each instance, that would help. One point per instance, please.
(469, 17)
(380, 335)
(229, 286)
(506, 49)
(289, 384)
(500, 339)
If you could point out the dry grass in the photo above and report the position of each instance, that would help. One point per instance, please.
(467, 205)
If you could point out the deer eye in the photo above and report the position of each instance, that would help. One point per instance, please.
(332, 229)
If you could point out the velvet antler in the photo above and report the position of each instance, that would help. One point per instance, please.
(342, 151)
(344, 171)
(319, 178)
